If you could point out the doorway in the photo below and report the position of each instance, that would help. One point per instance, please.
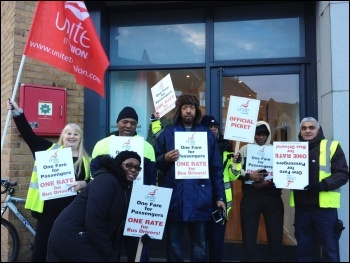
(278, 90)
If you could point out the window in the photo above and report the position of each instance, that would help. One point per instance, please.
(157, 37)
(240, 33)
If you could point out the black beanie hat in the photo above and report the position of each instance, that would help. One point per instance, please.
(128, 112)
(208, 120)
(262, 128)
(122, 156)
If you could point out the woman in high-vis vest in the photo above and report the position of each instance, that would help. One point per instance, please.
(316, 206)
(47, 211)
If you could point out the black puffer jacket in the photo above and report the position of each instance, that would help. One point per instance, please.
(339, 172)
(83, 230)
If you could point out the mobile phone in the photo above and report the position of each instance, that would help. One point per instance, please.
(217, 216)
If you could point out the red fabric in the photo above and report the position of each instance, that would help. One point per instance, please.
(62, 34)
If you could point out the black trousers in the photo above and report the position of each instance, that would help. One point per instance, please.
(271, 207)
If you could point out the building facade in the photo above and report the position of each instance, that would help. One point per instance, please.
(292, 56)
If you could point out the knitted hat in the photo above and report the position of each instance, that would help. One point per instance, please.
(189, 99)
(208, 120)
(122, 156)
(262, 128)
(128, 112)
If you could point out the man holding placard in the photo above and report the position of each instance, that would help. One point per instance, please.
(127, 122)
(194, 171)
(316, 206)
(260, 196)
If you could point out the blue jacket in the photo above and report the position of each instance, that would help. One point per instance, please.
(191, 199)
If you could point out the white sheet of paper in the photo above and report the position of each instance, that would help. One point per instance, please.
(55, 170)
(135, 144)
(163, 95)
(259, 157)
(148, 210)
(193, 160)
(291, 164)
(241, 119)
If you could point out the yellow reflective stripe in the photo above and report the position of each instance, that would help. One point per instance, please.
(325, 157)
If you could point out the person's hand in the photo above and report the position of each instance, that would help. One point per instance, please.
(78, 185)
(237, 158)
(154, 116)
(172, 156)
(221, 205)
(257, 176)
(316, 187)
(11, 105)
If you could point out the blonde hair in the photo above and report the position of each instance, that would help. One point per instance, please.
(81, 150)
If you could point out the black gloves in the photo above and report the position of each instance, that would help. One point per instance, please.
(317, 187)
(153, 118)
(145, 239)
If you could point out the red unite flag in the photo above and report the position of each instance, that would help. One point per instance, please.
(62, 34)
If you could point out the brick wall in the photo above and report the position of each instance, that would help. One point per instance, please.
(16, 158)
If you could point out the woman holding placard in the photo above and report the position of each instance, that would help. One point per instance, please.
(47, 211)
(84, 231)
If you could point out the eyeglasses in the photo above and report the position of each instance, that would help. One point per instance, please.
(311, 128)
(131, 166)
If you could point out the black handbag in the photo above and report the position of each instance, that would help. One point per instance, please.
(338, 227)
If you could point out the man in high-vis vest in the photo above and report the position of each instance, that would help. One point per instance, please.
(127, 123)
(316, 206)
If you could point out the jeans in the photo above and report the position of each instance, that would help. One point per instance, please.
(175, 232)
(316, 226)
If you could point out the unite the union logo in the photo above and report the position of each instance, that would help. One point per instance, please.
(127, 145)
(54, 158)
(191, 140)
(151, 196)
(78, 8)
(244, 108)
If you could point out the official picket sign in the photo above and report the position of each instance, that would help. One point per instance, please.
(148, 210)
(163, 95)
(241, 119)
(55, 170)
(123, 143)
(193, 159)
(291, 164)
(259, 157)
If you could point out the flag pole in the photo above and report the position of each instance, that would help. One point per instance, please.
(12, 99)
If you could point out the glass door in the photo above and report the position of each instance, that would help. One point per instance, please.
(278, 90)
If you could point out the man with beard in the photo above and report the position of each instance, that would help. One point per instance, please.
(191, 201)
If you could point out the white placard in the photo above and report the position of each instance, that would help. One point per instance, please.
(55, 170)
(291, 164)
(193, 159)
(163, 95)
(148, 210)
(128, 143)
(241, 119)
(259, 157)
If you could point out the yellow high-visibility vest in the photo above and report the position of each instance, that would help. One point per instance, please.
(228, 177)
(327, 199)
